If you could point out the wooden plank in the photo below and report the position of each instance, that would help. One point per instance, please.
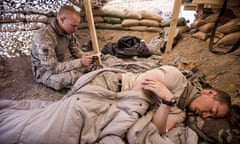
(173, 25)
(92, 30)
(207, 1)
(217, 2)
(190, 7)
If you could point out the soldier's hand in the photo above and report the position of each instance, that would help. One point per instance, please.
(86, 60)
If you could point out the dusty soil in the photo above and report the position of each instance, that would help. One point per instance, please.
(222, 71)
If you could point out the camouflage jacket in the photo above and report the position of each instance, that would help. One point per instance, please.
(54, 52)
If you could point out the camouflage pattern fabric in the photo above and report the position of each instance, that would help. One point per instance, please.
(221, 131)
(55, 57)
(94, 3)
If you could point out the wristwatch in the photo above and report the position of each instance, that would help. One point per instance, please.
(172, 102)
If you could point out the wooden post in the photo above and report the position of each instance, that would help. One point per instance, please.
(173, 26)
(92, 30)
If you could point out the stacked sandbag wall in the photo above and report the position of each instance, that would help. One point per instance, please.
(124, 19)
(19, 19)
(227, 31)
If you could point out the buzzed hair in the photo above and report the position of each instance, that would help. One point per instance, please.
(223, 97)
(66, 9)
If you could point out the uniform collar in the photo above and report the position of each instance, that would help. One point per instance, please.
(57, 29)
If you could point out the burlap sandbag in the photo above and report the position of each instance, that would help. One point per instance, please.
(206, 27)
(110, 26)
(114, 12)
(211, 18)
(112, 20)
(33, 26)
(197, 23)
(229, 39)
(151, 15)
(131, 14)
(219, 35)
(154, 29)
(130, 22)
(83, 25)
(149, 22)
(36, 18)
(138, 28)
(200, 35)
(11, 17)
(96, 12)
(103, 25)
(94, 3)
(231, 26)
(118, 27)
(96, 19)
(12, 27)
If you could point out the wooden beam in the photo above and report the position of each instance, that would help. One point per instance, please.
(92, 30)
(173, 26)
(190, 7)
(217, 2)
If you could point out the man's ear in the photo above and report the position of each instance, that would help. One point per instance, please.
(62, 18)
(212, 92)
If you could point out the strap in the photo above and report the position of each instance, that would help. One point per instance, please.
(235, 46)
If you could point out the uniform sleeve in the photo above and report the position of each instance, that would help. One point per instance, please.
(74, 47)
(44, 46)
(174, 80)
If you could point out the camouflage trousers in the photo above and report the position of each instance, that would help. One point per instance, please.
(62, 80)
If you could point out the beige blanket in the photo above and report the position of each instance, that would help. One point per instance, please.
(88, 114)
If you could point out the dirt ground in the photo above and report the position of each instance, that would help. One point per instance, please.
(222, 71)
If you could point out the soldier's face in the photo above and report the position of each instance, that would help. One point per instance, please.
(70, 24)
(206, 106)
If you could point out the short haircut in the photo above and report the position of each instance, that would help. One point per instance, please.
(66, 9)
(223, 97)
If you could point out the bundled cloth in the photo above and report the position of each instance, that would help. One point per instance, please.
(127, 46)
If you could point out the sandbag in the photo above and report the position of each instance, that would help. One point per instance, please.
(149, 22)
(154, 29)
(36, 18)
(112, 20)
(229, 39)
(11, 17)
(138, 28)
(130, 22)
(96, 19)
(110, 26)
(231, 26)
(197, 23)
(114, 12)
(206, 27)
(211, 18)
(200, 35)
(151, 15)
(131, 14)
(95, 12)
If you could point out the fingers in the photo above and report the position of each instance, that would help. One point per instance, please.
(149, 84)
(86, 60)
(157, 87)
(154, 86)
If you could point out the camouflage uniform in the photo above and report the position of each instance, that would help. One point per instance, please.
(55, 57)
